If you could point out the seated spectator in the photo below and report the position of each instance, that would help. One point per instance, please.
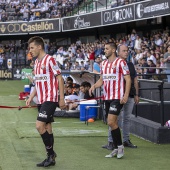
(96, 65)
(3, 17)
(87, 65)
(84, 87)
(151, 57)
(113, 3)
(80, 55)
(82, 66)
(1, 60)
(121, 2)
(37, 15)
(72, 100)
(150, 70)
(69, 90)
(76, 66)
(69, 81)
(158, 40)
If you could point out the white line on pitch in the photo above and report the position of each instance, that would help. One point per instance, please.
(77, 122)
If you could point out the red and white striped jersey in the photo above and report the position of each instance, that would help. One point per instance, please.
(113, 78)
(46, 84)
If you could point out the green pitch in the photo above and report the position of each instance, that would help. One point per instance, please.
(78, 146)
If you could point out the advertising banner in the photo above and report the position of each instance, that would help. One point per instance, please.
(25, 73)
(39, 26)
(17, 74)
(150, 9)
(118, 15)
(81, 22)
(6, 74)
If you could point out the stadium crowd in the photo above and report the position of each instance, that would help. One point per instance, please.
(27, 10)
(149, 50)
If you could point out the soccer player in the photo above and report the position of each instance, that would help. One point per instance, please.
(114, 74)
(48, 79)
(128, 107)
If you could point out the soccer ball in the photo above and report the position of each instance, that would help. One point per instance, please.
(167, 124)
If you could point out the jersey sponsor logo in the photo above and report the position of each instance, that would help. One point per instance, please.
(42, 66)
(55, 67)
(113, 108)
(41, 78)
(126, 68)
(43, 114)
(114, 66)
(109, 77)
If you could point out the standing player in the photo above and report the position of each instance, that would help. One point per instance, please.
(128, 107)
(48, 79)
(113, 73)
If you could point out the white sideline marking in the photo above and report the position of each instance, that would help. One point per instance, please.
(29, 122)
(77, 122)
(78, 131)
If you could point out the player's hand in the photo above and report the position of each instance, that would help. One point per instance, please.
(62, 104)
(28, 102)
(91, 90)
(136, 99)
(124, 100)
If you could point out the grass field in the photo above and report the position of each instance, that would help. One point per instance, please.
(78, 146)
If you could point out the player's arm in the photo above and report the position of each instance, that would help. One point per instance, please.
(127, 89)
(57, 73)
(61, 91)
(137, 90)
(32, 95)
(98, 84)
(61, 86)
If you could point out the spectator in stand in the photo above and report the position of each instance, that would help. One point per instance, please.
(1, 61)
(91, 57)
(87, 65)
(120, 2)
(72, 57)
(82, 65)
(133, 37)
(46, 47)
(96, 65)
(75, 66)
(69, 81)
(150, 70)
(37, 15)
(3, 17)
(151, 57)
(84, 87)
(98, 50)
(138, 43)
(138, 56)
(167, 62)
(69, 90)
(80, 54)
(158, 40)
(59, 51)
(113, 3)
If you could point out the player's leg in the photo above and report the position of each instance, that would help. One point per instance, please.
(43, 125)
(114, 111)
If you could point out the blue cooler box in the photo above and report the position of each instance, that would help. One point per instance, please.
(85, 114)
(27, 88)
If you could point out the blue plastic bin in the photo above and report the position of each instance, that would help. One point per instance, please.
(85, 114)
(27, 88)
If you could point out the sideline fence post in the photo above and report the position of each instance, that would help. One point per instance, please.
(162, 102)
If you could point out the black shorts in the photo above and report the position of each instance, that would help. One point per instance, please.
(113, 107)
(46, 111)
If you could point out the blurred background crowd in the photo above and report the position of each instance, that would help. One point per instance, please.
(27, 10)
(149, 53)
